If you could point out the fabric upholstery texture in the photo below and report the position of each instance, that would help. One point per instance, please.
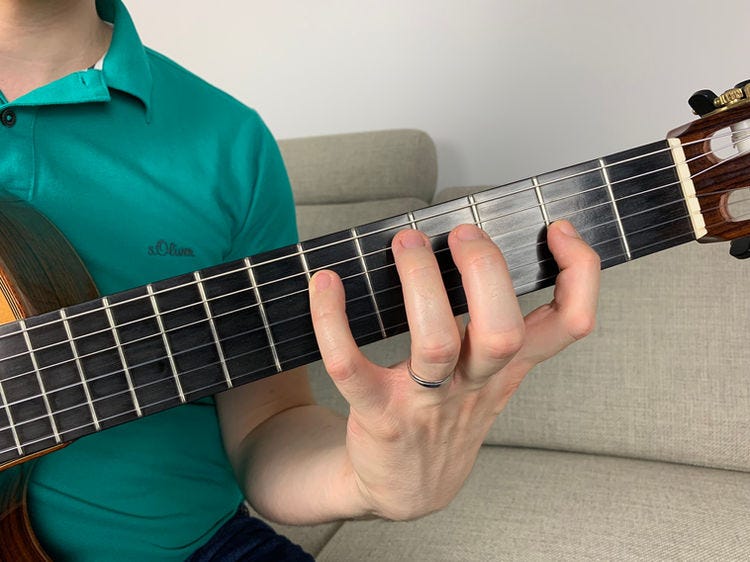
(522, 504)
(630, 445)
(356, 167)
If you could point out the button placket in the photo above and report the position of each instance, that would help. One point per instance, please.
(17, 166)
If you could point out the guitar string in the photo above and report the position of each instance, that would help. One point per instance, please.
(59, 389)
(177, 309)
(172, 398)
(217, 386)
(223, 296)
(293, 293)
(310, 353)
(288, 319)
(119, 372)
(251, 373)
(193, 282)
(366, 235)
(528, 189)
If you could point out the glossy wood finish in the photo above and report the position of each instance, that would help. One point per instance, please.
(712, 177)
(17, 541)
(39, 271)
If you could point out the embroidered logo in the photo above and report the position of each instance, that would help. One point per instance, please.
(164, 248)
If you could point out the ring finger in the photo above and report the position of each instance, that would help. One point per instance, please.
(436, 341)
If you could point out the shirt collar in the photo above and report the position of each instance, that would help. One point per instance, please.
(126, 66)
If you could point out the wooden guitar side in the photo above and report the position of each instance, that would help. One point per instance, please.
(39, 272)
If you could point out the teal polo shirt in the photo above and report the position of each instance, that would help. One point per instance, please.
(149, 172)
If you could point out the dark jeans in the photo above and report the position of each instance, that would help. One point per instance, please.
(245, 538)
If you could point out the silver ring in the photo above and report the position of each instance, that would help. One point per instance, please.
(425, 383)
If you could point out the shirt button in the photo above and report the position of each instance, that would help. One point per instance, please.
(8, 117)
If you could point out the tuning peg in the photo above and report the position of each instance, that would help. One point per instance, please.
(702, 102)
(740, 248)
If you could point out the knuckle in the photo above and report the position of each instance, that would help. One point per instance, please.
(388, 429)
(581, 325)
(502, 345)
(340, 366)
(440, 351)
(592, 259)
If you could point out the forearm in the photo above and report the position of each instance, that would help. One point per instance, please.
(294, 468)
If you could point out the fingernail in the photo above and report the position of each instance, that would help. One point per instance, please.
(568, 229)
(468, 232)
(411, 239)
(322, 280)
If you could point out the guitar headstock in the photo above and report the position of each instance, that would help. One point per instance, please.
(713, 161)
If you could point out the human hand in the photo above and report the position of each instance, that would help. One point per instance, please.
(410, 448)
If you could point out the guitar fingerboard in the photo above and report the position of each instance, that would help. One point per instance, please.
(94, 365)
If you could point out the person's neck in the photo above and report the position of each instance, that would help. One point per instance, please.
(43, 40)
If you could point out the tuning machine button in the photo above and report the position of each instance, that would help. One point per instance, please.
(740, 248)
(702, 102)
(705, 102)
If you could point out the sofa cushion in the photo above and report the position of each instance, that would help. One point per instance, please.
(664, 376)
(522, 504)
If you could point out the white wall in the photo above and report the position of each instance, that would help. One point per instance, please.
(507, 88)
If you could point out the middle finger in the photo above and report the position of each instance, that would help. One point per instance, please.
(496, 328)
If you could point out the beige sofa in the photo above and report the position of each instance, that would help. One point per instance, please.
(633, 444)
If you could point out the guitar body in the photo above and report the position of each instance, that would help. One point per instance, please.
(39, 272)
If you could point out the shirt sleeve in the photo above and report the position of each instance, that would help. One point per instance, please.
(269, 221)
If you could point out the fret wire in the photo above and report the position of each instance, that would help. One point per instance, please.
(448, 212)
(412, 221)
(634, 158)
(263, 315)
(43, 392)
(402, 324)
(521, 247)
(523, 265)
(214, 332)
(368, 282)
(511, 269)
(10, 421)
(303, 259)
(541, 185)
(540, 200)
(79, 367)
(682, 235)
(121, 354)
(475, 211)
(165, 341)
(443, 250)
(536, 282)
(372, 253)
(616, 211)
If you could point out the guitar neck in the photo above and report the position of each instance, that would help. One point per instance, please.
(90, 366)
